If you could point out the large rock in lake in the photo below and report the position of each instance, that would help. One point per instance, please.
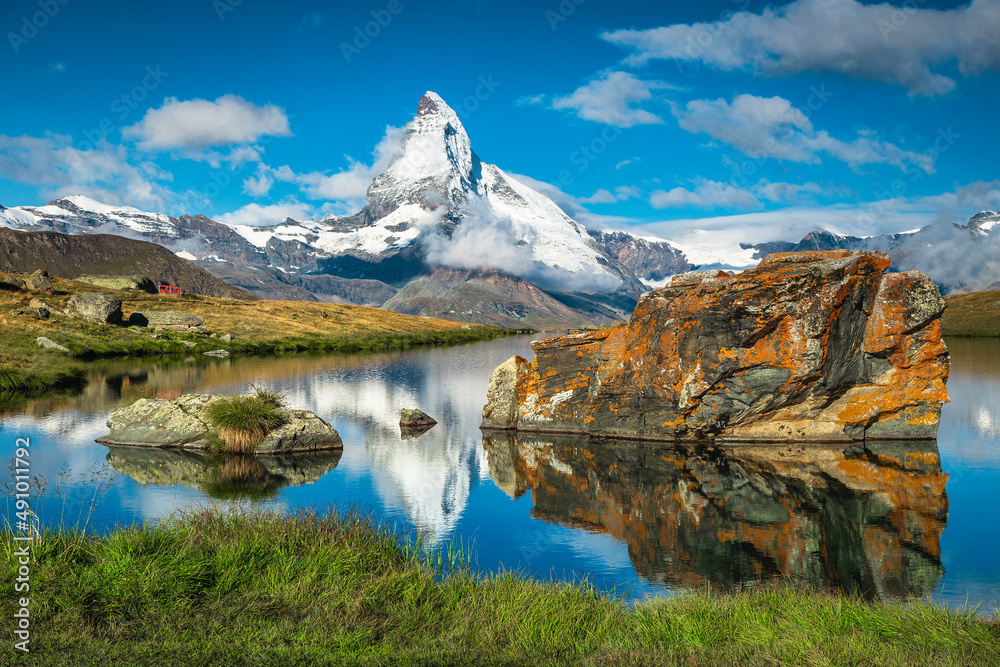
(819, 346)
(183, 423)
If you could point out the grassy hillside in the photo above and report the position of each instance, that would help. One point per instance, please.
(973, 314)
(260, 327)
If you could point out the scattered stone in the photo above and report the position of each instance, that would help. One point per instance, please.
(38, 303)
(415, 419)
(30, 283)
(466, 327)
(96, 307)
(215, 335)
(120, 282)
(228, 338)
(808, 346)
(37, 313)
(189, 343)
(217, 353)
(49, 344)
(159, 336)
(172, 320)
(40, 273)
(183, 423)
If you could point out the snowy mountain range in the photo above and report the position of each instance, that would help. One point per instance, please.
(444, 234)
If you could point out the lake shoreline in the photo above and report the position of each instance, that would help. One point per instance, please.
(221, 587)
(259, 328)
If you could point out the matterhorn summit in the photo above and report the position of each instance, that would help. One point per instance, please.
(438, 195)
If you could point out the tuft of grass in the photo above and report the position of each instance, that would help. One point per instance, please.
(229, 587)
(269, 396)
(242, 422)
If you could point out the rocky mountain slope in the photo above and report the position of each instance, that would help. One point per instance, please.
(958, 258)
(438, 214)
(73, 256)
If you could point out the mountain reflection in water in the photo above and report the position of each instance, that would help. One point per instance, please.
(867, 519)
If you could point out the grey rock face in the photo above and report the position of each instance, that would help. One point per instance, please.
(32, 283)
(120, 282)
(96, 307)
(173, 320)
(228, 338)
(183, 422)
(49, 344)
(216, 353)
(180, 422)
(303, 432)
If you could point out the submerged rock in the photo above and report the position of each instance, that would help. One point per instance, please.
(183, 423)
(820, 346)
(415, 419)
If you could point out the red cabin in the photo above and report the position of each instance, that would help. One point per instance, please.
(167, 289)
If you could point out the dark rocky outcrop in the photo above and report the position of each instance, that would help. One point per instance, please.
(68, 256)
(183, 423)
(96, 307)
(817, 346)
(35, 282)
(37, 313)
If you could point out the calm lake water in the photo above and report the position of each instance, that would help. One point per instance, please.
(893, 520)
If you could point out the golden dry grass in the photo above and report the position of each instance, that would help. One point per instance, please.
(248, 320)
(241, 440)
(973, 314)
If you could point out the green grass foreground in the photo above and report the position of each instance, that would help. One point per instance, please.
(208, 588)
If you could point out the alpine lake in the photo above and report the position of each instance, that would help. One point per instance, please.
(893, 520)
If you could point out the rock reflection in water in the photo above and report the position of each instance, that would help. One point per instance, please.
(233, 477)
(867, 519)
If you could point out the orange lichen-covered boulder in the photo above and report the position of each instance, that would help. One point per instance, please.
(820, 346)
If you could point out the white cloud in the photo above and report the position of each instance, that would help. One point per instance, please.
(271, 214)
(571, 206)
(194, 125)
(713, 194)
(353, 182)
(613, 99)
(621, 193)
(772, 128)
(880, 42)
(105, 172)
(529, 100)
(706, 194)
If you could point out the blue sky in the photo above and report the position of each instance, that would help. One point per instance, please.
(669, 117)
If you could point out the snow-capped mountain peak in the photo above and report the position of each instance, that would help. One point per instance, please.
(435, 164)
